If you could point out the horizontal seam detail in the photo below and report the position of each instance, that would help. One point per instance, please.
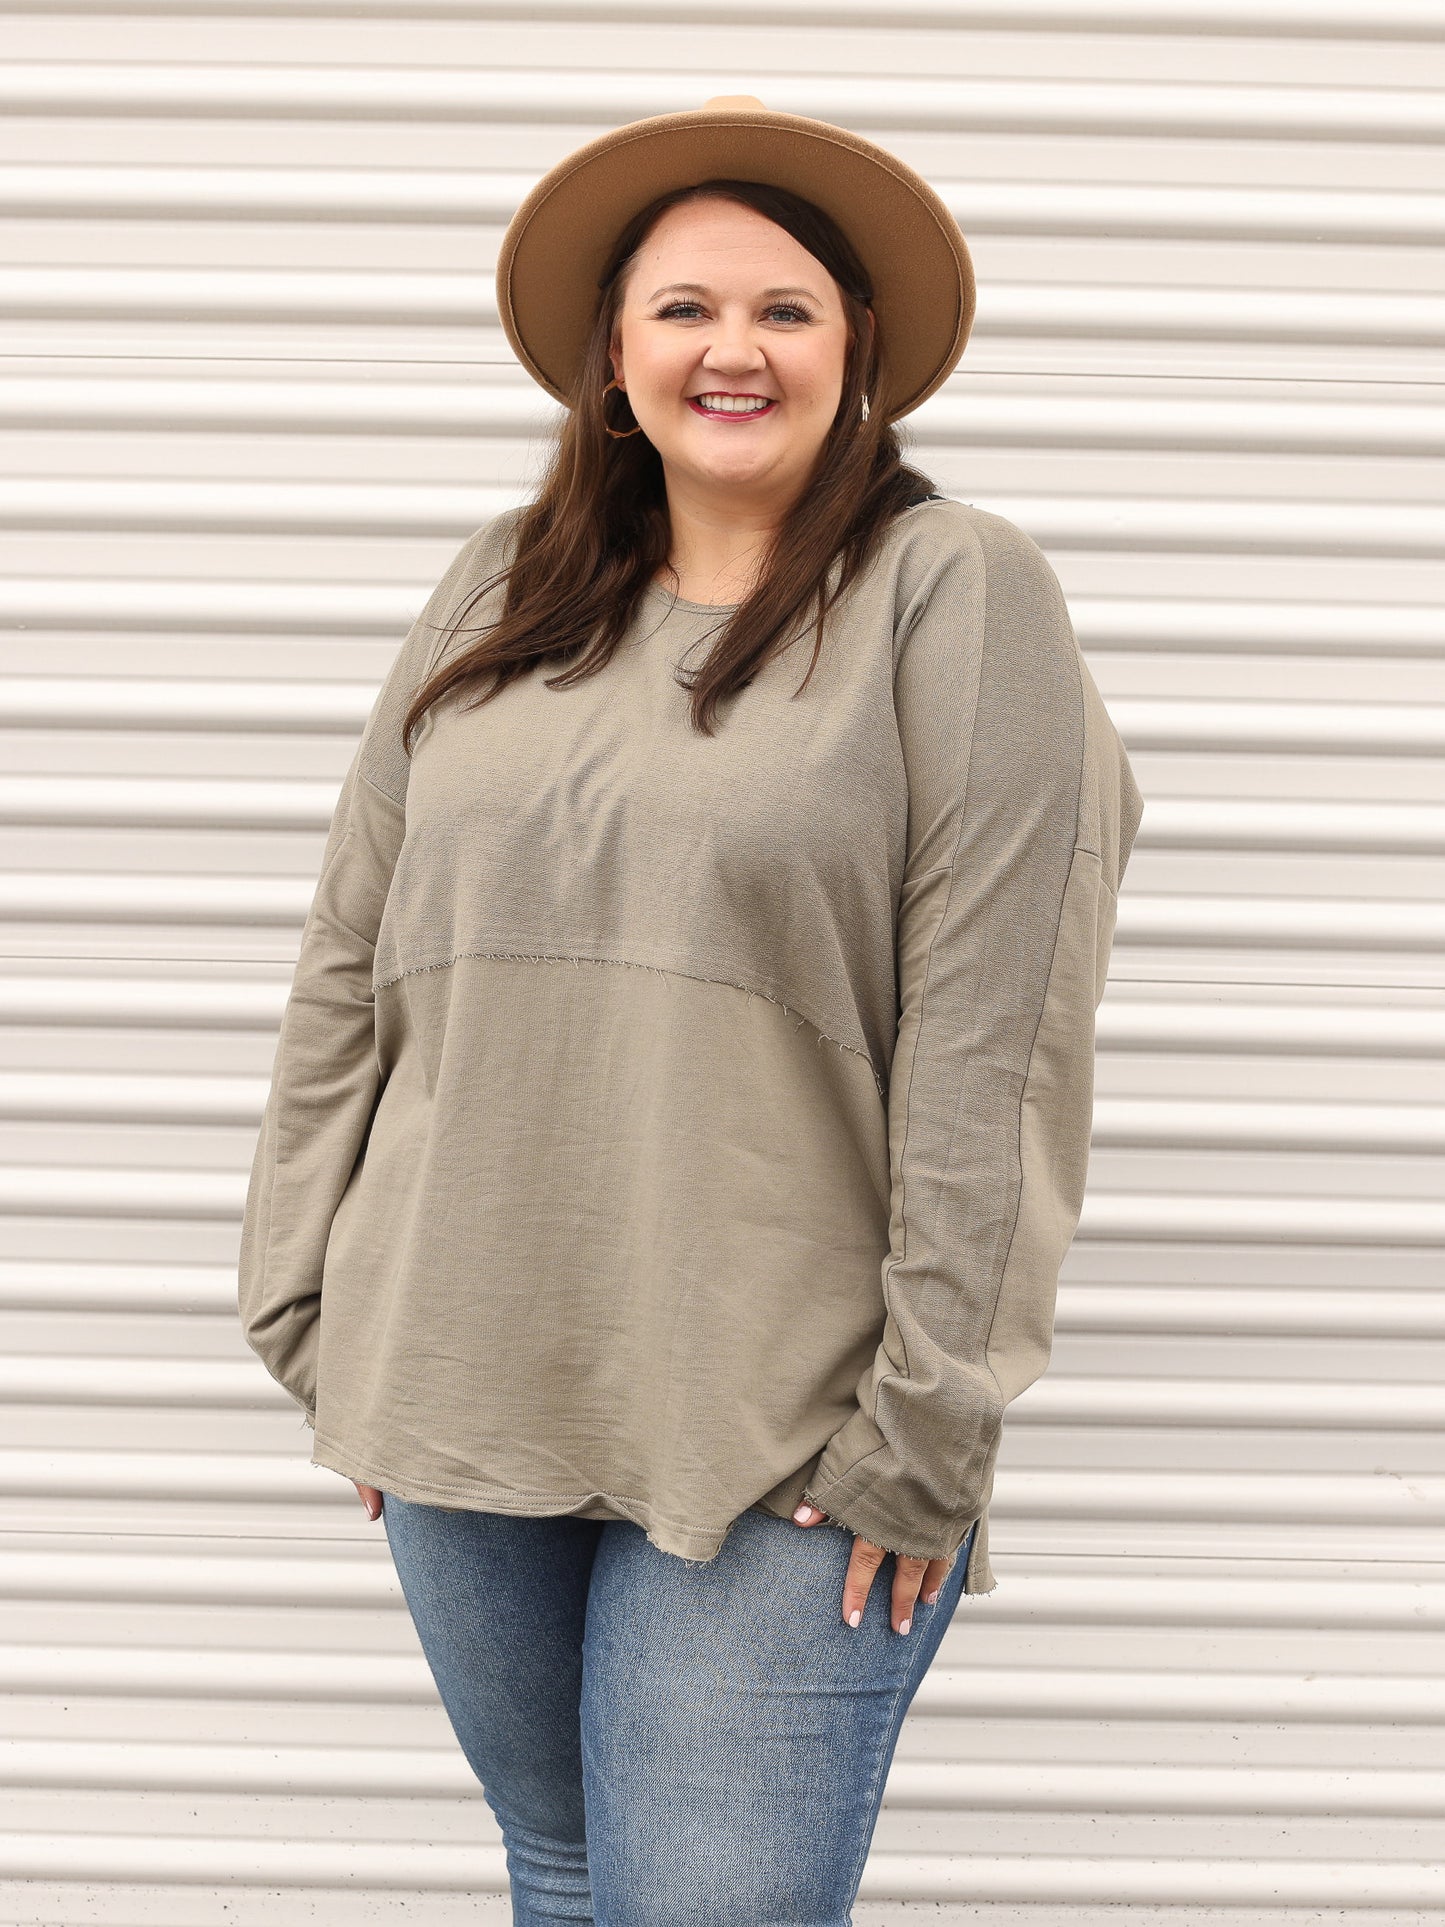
(574, 957)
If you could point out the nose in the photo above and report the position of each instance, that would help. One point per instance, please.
(732, 349)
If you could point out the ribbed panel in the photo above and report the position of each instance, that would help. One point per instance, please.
(253, 394)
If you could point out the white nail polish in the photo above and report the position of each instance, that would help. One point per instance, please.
(906, 1624)
(855, 1617)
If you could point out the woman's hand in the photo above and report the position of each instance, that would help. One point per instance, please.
(370, 1498)
(910, 1576)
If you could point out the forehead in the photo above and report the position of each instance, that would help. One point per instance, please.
(720, 247)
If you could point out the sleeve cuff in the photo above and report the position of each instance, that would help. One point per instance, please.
(861, 1503)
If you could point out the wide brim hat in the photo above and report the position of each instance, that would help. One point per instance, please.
(559, 239)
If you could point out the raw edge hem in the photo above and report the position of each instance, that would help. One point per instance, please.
(512, 1504)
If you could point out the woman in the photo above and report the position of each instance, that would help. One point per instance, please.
(682, 1107)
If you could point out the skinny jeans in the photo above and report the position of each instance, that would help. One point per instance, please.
(666, 1743)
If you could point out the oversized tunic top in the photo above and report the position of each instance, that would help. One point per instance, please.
(663, 1125)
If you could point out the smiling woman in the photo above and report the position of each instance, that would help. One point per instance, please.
(683, 1104)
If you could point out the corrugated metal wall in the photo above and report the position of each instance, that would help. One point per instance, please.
(255, 395)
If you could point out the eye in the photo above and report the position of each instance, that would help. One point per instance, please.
(790, 308)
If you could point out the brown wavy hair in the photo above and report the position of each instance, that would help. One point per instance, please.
(597, 533)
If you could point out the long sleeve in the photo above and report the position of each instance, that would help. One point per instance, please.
(1022, 812)
(325, 1076)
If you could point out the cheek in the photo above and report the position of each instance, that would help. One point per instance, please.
(662, 369)
(812, 376)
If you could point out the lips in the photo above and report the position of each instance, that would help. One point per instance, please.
(695, 403)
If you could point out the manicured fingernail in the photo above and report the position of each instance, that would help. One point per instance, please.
(855, 1617)
(803, 1514)
(906, 1624)
(931, 1598)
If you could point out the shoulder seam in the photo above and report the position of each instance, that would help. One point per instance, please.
(397, 802)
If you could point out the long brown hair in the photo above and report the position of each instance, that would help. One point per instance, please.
(597, 533)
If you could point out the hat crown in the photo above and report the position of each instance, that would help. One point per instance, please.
(743, 102)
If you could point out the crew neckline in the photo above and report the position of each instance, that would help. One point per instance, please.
(726, 608)
(681, 602)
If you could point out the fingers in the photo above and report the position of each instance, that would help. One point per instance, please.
(907, 1584)
(858, 1581)
(370, 1498)
(938, 1571)
(911, 1577)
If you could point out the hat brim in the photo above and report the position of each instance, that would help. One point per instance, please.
(558, 241)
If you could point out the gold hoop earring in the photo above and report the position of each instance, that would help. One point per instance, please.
(619, 434)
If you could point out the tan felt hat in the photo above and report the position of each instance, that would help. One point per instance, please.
(558, 241)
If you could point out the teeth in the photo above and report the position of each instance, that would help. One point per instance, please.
(732, 404)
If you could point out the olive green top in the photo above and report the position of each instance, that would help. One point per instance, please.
(662, 1124)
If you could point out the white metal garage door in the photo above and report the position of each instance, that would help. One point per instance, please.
(255, 396)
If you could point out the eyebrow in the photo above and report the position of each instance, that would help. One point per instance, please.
(696, 287)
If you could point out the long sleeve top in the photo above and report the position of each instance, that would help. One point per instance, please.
(664, 1125)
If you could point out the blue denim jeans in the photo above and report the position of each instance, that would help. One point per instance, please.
(666, 1744)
